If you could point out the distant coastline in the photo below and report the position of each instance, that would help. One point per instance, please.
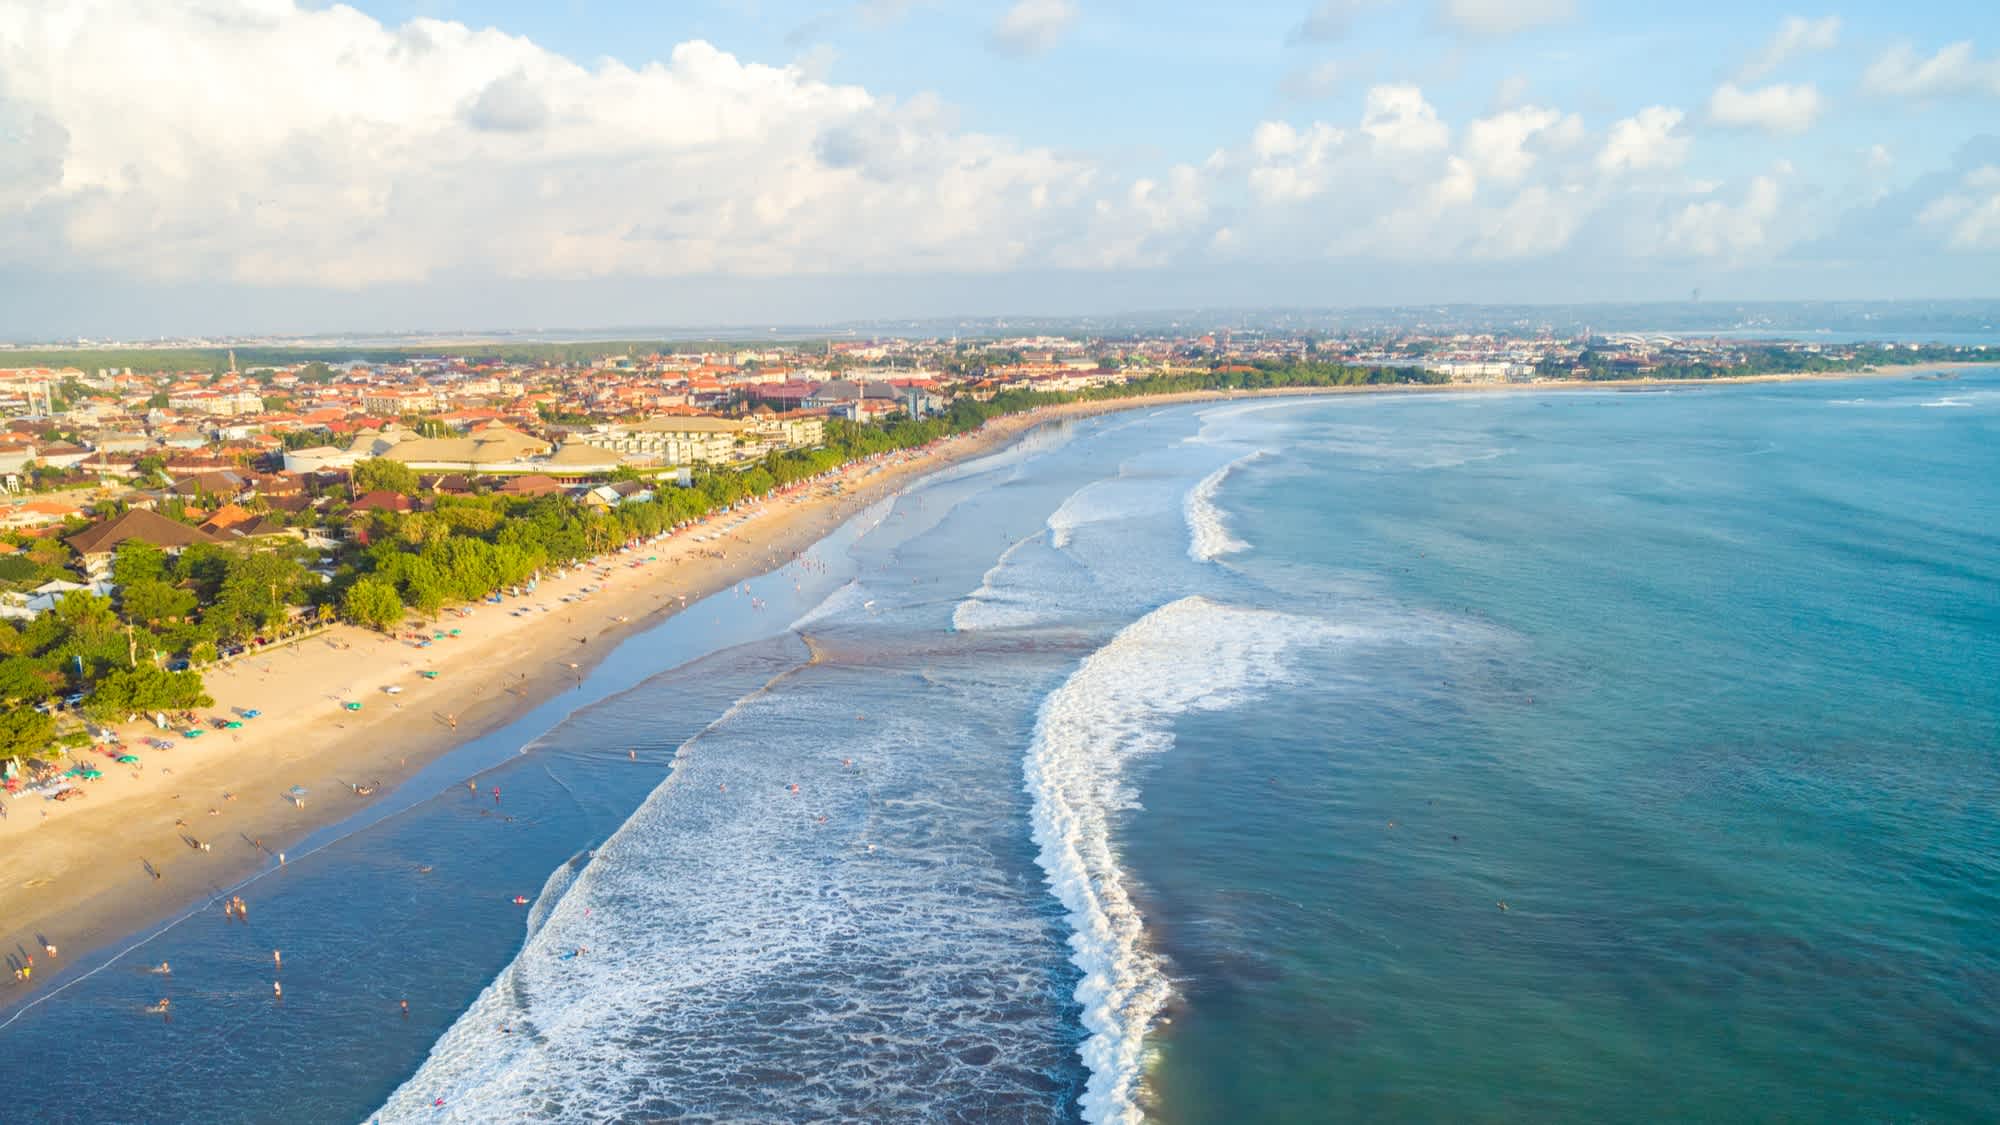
(82, 884)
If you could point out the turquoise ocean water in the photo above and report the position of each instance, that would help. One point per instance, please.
(1567, 757)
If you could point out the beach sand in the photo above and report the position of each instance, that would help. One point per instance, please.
(78, 873)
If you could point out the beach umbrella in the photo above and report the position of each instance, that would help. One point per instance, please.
(190, 734)
(352, 706)
(428, 675)
(298, 790)
(128, 759)
(91, 775)
(232, 725)
(252, 713)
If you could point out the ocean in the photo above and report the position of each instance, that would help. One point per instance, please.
(1583, 756)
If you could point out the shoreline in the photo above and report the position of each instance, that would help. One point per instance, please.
(78, 872)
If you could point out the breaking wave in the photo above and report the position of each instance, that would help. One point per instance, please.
(1190, 655)
(1208, 529)
(989, 607)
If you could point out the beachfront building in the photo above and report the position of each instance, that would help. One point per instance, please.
(95, 545)
(491, 449)
(672, 440)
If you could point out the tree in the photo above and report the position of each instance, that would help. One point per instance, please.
(151, 601)
(373, 603)
(136, 690)
(384, 475)
(24, 730)
(255, 590)
(26, 681)
(138, 561)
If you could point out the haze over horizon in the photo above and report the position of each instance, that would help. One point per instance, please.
(268, 166)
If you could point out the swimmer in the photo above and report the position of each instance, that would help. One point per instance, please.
(277, 991)
(406, 1009)
(277, 959)
(163, 969)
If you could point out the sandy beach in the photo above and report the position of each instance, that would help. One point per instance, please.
(196, 819)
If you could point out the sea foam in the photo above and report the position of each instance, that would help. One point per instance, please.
(1190, 655)
(1208, 529)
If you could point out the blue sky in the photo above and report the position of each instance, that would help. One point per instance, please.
(271, 165)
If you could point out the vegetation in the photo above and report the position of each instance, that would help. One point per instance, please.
(117, 656)
(381, 474)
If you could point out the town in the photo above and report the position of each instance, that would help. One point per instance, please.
(161, 516)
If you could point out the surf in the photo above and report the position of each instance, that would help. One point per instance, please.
(1209, 537)
(1120, 704)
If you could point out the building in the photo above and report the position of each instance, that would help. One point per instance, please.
(215, 402)
(673, 440)
(96, 544)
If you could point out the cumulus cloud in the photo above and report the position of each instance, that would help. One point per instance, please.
(1031, 27)
(358, 153)
(1399, 118)
(1968, 219)
(1499, 146)
(1651, 138)
(1796, 36)
(354, 153)
(1495, 19)
(1778, 108)
(1716, 228)
(1954, 69)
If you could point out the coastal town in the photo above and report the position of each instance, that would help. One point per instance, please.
(203, 501)
(194, 542)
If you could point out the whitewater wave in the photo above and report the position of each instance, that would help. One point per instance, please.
(989, 607)
(1208, 529)
(1189, 655)
(843, 600)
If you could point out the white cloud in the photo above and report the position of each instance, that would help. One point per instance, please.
(1399, 118)
(1648, 139)
(1493, 19)
(1498, 146)
(1796, 36)
(353, 153)
(1717, 229)
(1288, 165)
(1031, 27)
(1778, 108)
(1954, 69)
(1969, 218)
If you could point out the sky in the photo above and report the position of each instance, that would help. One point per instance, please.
(292, 166)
